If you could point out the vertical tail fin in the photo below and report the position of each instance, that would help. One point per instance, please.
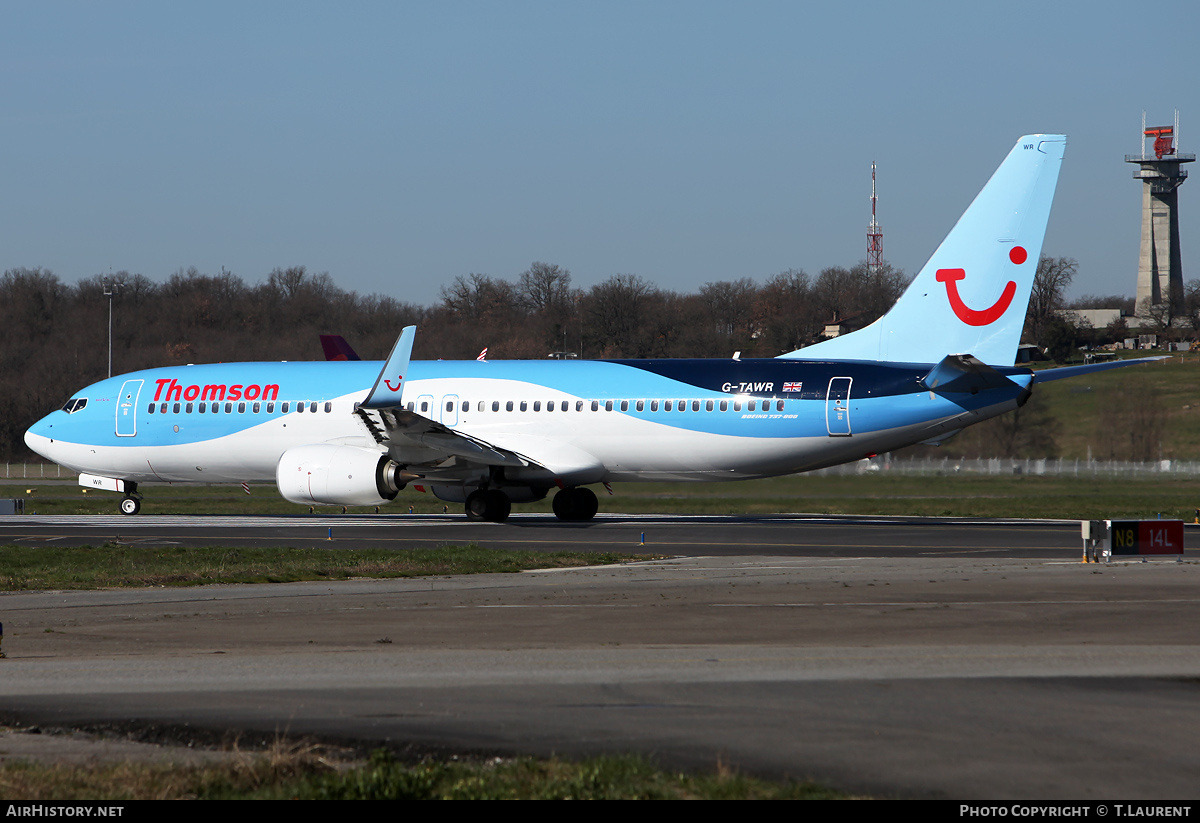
(972, 295)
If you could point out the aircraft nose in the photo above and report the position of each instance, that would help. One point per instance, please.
(37, 436)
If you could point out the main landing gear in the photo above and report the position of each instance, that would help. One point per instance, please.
(492, 505)
(488, 504)
(575, 504)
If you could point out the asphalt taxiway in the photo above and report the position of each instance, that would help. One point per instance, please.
(901, 659)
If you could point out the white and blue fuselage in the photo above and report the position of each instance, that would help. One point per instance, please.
(579, 421)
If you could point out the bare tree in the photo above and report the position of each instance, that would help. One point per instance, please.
(615, 311)
(1050, 282)
(731, 306)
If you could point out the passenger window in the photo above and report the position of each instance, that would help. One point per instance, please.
(641, 405)
(424, 406)
(778, 405)
(565, 406)
(608, 405)
(537, 405)
(653, 405)
(449, 405)
(241, 408)
(724, 405)
(312, 407)
(668, 405)
(495, 405)
(188, 408)
(751, 405)
(328, 407)
(737, 405)
(624, 405)
(524, 405)
(162, 409)
(299, 408)
(550, 405)
(508, 406)
(270, 407)
(578, 405)
(284, 408)
(229, 408)
(695, 405)
(708, 405)
(150, 409)
(257, 407)
(595, 405)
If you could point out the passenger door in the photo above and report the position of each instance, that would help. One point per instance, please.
(837, 407)
(127, 408)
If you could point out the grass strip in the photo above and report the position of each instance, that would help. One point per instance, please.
(113, 565)
(310, 776)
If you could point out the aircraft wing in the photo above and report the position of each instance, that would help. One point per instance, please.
(396, 427)
(393, 424)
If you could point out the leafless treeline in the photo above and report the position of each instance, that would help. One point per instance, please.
(55, 334)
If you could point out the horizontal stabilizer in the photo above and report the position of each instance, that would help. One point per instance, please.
(1049, 375)
(963, 373)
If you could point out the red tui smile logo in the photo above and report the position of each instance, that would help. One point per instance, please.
(979, 317)
(399, 380)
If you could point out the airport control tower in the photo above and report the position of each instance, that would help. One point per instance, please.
(1160, 269)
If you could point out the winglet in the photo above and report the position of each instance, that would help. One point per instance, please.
(389, 385)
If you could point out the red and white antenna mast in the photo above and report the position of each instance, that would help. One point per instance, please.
(874, 234)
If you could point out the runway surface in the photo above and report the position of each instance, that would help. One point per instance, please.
(777, 535)
(912, 659)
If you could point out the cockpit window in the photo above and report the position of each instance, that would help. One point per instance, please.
(75, 404)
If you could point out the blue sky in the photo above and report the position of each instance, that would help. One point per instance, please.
(398, 145)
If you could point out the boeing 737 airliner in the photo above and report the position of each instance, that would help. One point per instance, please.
(492, 433)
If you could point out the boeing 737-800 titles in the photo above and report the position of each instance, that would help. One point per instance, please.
(492, 433)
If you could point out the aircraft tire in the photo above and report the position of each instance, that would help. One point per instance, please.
(131, 505)
(586, 504)
(498, 506)
(575, 504)
(561, 504)
(476, 505)
(492, 506)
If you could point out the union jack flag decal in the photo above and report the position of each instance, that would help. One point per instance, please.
(792, 386)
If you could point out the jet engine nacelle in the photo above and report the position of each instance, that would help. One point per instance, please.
(337, 475)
